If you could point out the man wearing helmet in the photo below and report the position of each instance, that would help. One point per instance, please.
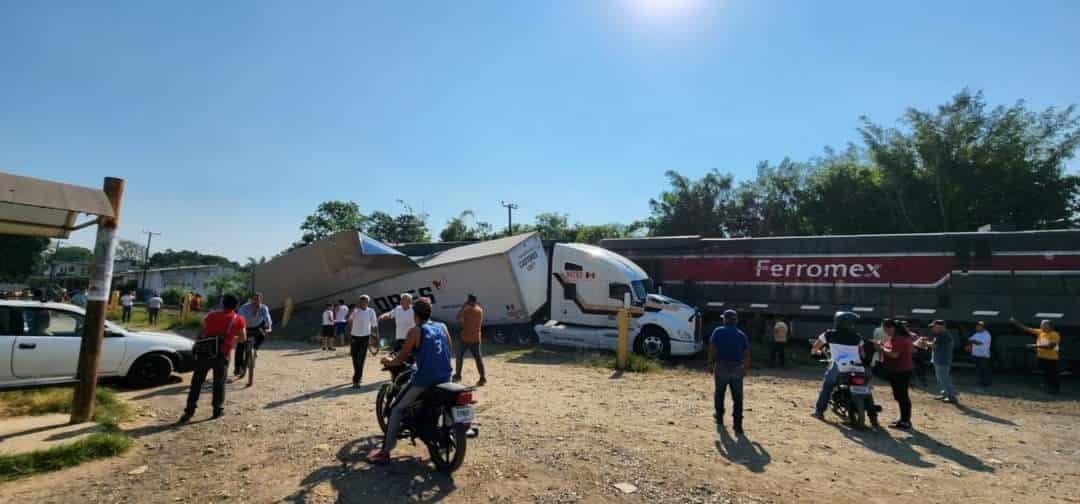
(729, 359)
(845, 346)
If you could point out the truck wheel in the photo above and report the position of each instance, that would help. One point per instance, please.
(653, 343)
(150, 371)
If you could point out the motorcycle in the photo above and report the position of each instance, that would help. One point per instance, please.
(851, 398)
(440, 418)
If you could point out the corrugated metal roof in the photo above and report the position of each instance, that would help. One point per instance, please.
(475, 250)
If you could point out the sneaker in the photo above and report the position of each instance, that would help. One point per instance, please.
(217, 414)
(898, 425)
(378, 458)
(185, 418)
(874, 424)
(737, 428)
(950, 400)
(819, 416)
(481, 382)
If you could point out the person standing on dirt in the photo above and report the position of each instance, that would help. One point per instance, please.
(471, 318)
(402, 314)
(153, 308)
(341, 320)
(219, 330)
(363, 324)
(328, 328)
(1047, 342)
(896, 349)
(920, 356)
(980, 353)
(257, 316)
(779, 342)
(429, 344)
(729, 360)
(127, 300)
(941, 342)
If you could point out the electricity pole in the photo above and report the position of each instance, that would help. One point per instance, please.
(510, 207)
(146, 256)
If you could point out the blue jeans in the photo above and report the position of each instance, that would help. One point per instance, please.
(827, 386)
(944, 380)
(724, 380)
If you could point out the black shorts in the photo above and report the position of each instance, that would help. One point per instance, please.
(328, 331)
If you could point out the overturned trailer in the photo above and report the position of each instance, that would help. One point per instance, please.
(508, 274)
(957, 277)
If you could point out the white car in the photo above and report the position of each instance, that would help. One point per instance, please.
(39, 345)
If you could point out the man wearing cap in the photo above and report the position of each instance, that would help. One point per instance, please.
(729, 360)
(941, 342)
(1047, 341)
(980, 352)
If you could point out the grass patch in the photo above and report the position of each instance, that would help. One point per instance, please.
(94, 446)
(108, 408)
(634, 364)
(168, 319)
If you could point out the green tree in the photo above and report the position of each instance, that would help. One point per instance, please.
(593, 234)
(329, 218)
(169, 258)
(770, 205)
(407, 227)
(128, 250)
(701, 207)
(22, 256)
(964, 165)
(554, 226)
(845, 195)
(72, 254)
(458, 230)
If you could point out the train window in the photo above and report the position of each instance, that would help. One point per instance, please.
(572, 267)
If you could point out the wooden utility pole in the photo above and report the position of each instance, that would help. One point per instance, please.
(510, 207)
(97, 296)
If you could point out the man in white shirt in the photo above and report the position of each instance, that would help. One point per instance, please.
(403, 320)
(364, 324)
(153, 308)
(341, 319)
(980, 351)
(328, 327)
(127, 300)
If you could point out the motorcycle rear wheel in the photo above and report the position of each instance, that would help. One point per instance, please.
(857, 414)
(448, 450)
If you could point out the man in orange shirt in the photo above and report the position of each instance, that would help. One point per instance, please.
(471, 318)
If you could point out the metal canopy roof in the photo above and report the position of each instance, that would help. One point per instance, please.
(31, 206)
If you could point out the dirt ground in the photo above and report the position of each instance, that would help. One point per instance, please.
(553, 430)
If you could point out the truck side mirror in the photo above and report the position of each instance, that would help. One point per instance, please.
(626, 300)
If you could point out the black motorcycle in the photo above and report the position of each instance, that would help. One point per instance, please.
(440, 418)
(851, 399)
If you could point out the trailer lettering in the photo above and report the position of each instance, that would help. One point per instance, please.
(387, 303)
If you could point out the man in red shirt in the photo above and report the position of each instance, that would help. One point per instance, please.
(897, 348)
(227, 326)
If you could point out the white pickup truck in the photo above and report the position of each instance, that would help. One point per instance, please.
(39, 345)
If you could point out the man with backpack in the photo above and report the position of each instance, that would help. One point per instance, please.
(220, 329)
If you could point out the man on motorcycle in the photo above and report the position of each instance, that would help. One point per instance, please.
(845, 346)
(428, 345)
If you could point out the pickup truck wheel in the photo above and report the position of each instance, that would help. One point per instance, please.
(150, 371)
(653, 343)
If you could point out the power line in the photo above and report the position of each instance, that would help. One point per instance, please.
(510, 207)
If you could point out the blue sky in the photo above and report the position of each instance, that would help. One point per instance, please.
(231, 121)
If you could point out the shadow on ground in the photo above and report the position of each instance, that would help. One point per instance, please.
(741, 450)
(404, 479)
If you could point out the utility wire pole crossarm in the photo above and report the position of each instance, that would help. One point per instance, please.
(510, 207)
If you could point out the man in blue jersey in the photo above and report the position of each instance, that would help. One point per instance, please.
(729, 360)
(428, 345)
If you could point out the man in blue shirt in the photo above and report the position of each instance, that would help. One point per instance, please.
(257, 317)
(428, 344)
(729, 360)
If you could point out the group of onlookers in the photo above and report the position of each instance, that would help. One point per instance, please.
(896, 352)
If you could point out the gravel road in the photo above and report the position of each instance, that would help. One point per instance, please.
(553, 430)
